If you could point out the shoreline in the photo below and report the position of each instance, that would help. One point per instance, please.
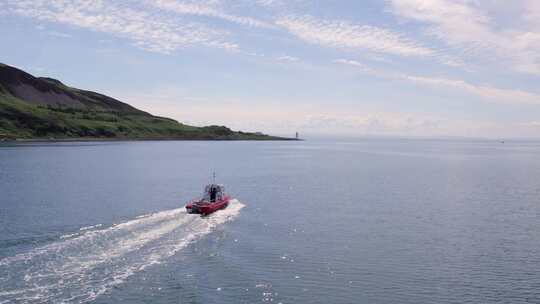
(84, 139)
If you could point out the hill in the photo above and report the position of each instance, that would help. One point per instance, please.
(45, 108)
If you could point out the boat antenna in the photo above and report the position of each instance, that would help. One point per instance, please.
(214, 177)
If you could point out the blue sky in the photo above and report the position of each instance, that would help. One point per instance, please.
(387, 67)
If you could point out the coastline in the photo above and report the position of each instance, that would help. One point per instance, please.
(97, 139)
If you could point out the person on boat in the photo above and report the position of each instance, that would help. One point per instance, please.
(213, 192)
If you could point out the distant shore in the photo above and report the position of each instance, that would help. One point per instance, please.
(104, 139)
(59, 113)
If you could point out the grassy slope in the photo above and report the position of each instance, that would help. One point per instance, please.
(19, 119)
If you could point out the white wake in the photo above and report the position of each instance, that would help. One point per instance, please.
(81, 266)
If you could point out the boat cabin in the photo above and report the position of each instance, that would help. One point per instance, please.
(213, 193)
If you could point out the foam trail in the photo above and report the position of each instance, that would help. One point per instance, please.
(90, 227)
(79, 269)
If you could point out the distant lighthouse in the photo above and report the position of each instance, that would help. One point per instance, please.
(296, 135)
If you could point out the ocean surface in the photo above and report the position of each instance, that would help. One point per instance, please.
(321, 221)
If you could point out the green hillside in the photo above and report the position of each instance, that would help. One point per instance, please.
(28, 110)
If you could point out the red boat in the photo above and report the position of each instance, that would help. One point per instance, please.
(214, 199)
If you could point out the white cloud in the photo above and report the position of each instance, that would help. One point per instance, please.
(345, 35)
(487, 92)
(59, 34)
(532, 14)
(374, 123)
(288, 58)
(465, 25)
(268, 2)
(360, 66)
(200, 8)
(147, 31)
(533, 124)
(283, 5)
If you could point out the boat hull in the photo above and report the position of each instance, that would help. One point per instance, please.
(206, 208)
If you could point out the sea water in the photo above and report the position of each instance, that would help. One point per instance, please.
(321, 221)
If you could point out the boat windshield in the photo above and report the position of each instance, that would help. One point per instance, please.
(213, 192)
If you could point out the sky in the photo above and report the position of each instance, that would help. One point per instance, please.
(466, 68)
